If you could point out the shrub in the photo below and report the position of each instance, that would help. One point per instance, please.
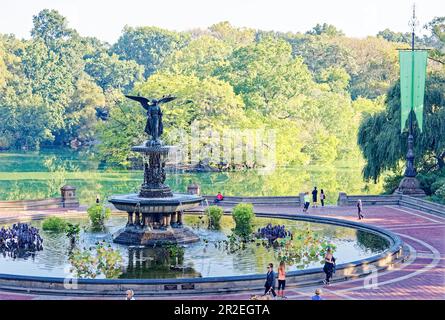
(55, 224)
(243, 216)
(391, 182)
(214, 214)
(98, 214)
(439, 195)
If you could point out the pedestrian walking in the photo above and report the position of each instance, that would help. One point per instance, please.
(329, 265)
(281, 279)
(317, 295)
(306, 201)
(360, 209)
(270, 281)
(322, 197)
(314, 197)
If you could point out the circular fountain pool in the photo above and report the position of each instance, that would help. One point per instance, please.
(207, 258)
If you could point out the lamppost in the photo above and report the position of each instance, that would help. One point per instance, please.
(409, 184)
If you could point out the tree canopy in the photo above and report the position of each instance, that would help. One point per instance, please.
(312, 89)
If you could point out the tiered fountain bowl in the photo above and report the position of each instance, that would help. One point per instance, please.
(155, 213)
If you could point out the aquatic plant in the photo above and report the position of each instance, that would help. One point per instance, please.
(243, 216)
(54, 224)
(214, 214)
(104, 260)
(98, 214)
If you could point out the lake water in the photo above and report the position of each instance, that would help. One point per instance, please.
(37, 175)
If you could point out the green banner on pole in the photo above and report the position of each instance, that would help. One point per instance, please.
(412, 84)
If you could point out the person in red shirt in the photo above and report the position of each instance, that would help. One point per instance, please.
(219, 197)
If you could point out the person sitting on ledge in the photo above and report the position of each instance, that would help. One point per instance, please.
(219, 197)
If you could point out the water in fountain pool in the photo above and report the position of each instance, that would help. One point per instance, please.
(206, 258)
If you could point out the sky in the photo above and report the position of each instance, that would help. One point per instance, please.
(105, 19)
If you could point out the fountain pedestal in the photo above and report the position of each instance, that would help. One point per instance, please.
(155, 213)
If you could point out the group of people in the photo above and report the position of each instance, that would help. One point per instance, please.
(269, 285)
(20, 237)
(314, 199)
(272, 233)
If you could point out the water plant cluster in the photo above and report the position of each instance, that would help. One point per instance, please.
(98, 214)
(93, 262)
(306, 246)
(57, 224)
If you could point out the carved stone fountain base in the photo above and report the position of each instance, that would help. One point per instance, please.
(132, 235)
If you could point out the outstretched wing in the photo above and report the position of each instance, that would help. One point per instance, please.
(166, 99)
(142, 100)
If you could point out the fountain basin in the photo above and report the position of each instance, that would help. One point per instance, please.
(155, 221)
(178, 202)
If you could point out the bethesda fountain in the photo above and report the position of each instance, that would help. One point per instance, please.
(155, 213)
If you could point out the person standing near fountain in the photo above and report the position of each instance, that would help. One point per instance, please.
(322, 197)
(306, 201)
(314, 197)
(360, 209)
(329, 264)
(270, 281)
(281, 279)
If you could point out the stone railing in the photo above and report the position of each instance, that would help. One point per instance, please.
(422, 205)
(379, 200)
(50, 203)
(272, 201)
(394, 199)
(68, 199)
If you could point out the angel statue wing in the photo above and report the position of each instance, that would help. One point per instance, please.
(143, 101)
(166, 99)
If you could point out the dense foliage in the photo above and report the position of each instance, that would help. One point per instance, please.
(214, 214)
(385, 148)
(55, 224)
(98, 214)
(102, 261)
(243, 216)
(60, 88)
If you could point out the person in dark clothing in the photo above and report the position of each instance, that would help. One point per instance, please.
(360, 209)
(314, 197)
(322, 197)
(97, 199)
(329, 266)
(270, 281)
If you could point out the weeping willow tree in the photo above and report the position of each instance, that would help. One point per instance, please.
(384, 147)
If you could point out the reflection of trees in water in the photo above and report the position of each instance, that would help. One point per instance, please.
(370, 241)
(51, 169)
(158, 262)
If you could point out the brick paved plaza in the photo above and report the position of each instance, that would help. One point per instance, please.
(422, 276)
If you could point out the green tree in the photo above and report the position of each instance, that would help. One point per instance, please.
(325, 29)
(110, 72)
(201, 57)
(382, 144)
(267, 76)
(210, 102)
(148, 46)
(235, 37)
(50, 26)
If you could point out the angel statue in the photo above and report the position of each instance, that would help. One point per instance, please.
(154, 126)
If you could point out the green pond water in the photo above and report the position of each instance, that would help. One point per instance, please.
(37, 175)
